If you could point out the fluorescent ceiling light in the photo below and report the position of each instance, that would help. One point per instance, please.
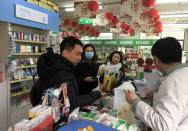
(71, 8)
(68, 6)
(173, 15)
(170, 1)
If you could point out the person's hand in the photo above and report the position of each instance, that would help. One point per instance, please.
(130, 96)
(101, 87)
(103, 94)
(89, 79)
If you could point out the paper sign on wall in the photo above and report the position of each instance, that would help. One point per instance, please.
(31, 14)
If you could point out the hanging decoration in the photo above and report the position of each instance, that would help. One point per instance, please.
(115, 20)
(109, 16)
(67, 22)
(152, 13)
(141, 15)
(148, 3)
(75, 24)
(140, 62)
(93, 6)
(86, 8)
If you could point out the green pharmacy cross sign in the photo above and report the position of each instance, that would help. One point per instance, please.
(85, 21)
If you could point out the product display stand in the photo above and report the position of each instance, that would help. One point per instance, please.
(26, 45)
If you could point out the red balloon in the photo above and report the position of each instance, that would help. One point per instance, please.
(132, 32)
(92, 32)
(159, 30)
(67, 22)
(152, 13)
(93, 6)
(149, 61)
(109, 16)
(157, 18)
(97, 34)
(140, 61)
(87, 28)
(82, 27)
(148, 3)
(123, 26)
(75, 24)
(115, 20)
(158, 24)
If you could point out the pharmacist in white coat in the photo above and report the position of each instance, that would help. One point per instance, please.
(170, 103)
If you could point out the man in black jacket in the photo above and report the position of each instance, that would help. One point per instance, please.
(55, 69)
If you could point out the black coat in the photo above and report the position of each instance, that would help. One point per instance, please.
(87, 69)
(53, 69)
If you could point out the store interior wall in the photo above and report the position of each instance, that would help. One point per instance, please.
(186, 42)
(4, 99)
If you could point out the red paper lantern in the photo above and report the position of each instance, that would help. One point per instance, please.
(132, 32)
(128, 28)
(82, 27)
(123, 26)
(140, 61)
(75, 24)
(93, 6)
(109, 16)
(92, 32)
(159, 30)
(115, 20)
(157, 18)
(67, 22)
(97, 34)
(158, 24)
(153, 13)
(87, 28)
(149, 61)
(148, 3)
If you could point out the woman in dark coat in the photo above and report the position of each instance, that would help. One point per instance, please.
(86, 70)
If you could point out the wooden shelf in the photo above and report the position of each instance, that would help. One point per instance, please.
(19, 93)
(24, 67)
(21, 80)
(26, 54)
(31, 42)
(21, 107)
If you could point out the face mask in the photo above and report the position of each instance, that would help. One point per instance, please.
(89, 55)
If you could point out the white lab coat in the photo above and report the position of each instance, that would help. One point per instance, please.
(170, 104)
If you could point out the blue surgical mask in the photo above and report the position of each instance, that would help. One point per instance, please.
(89, 55)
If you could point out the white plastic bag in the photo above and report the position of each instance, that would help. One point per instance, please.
(120, 102)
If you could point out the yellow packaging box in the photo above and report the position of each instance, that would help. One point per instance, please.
(109, 82)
